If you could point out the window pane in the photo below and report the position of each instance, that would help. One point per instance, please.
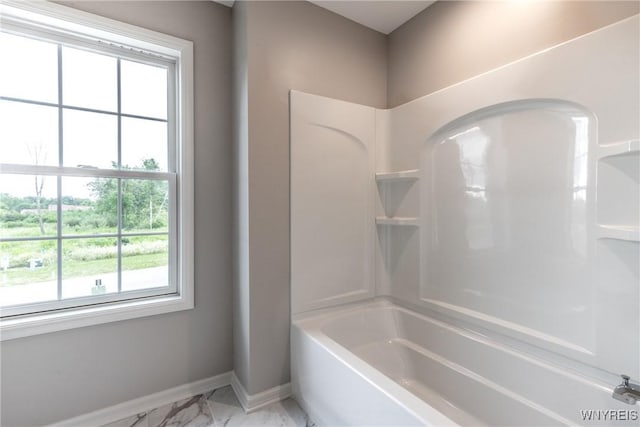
(89, 205)
(28, 134)
(145, 262)
(89, 267)
(145, 205)
(90, 139)
(144, 89)
(142, 141)
(29, 69)
(28, 205)
(28, 272)
(89, 80)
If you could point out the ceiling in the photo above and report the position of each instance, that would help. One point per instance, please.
(381, 15)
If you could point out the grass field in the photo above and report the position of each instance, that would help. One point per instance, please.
(71, 269)
(80, 257)
(51, 228)
(81, 210)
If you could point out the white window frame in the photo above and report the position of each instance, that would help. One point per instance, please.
(62, 23)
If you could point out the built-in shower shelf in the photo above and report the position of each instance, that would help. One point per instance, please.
(410, 221)
(408, 175)
(619, 232)
(630, 147)
(618, 189)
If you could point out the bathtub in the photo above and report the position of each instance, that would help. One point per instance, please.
(377, 363)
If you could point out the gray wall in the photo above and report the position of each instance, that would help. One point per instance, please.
(60, 375)
(289, 45)
(453, 41)
(241, 301)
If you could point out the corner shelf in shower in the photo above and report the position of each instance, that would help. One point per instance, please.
(618, 191)
(619, 232)
(411, 221)
(631, 147)
(406, 175)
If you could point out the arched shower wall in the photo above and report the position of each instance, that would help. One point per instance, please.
(507, 204)
(555, 265)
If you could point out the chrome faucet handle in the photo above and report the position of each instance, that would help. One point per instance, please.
(625, 379)
(627, 392)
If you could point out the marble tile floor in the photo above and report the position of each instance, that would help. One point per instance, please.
(218, 408)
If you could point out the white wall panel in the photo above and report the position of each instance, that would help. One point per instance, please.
(332, 204)
(528, 198)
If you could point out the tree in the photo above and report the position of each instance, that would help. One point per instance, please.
(38, 154)
(105, 190)
(144, 202)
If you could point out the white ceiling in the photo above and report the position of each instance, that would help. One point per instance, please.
(380, 15)
(228, 3)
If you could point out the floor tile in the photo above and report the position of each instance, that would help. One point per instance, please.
(227, 412)
(296, 413)
(192, 412)
(140, 420)
(224, 405)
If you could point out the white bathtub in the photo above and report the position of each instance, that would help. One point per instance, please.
(379, 364)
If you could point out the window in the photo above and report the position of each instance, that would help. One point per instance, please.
(96, 204)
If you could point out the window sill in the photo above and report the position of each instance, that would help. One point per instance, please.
(43, 323)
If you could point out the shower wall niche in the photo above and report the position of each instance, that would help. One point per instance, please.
(513, 211)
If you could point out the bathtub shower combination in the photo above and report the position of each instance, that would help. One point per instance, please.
(473, 257)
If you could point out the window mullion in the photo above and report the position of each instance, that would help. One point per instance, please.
(59, 177)
(76, 108)
(119, 235)
(119, 101)
(10, 168)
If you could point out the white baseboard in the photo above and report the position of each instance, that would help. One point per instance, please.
(145, 403)
(251, 402)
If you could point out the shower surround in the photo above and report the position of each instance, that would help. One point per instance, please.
(473, 256)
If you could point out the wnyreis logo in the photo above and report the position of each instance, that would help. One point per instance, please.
(609, 415)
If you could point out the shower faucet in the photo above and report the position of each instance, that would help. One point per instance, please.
(627, 392)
